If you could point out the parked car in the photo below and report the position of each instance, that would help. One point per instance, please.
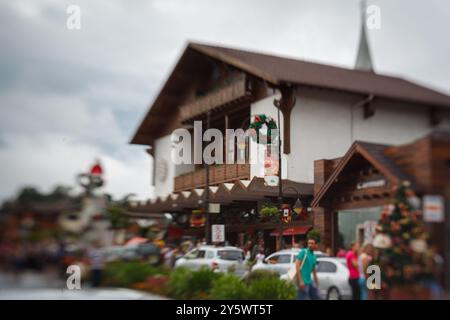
(148, 252)
(332, 274)
(220, 259)
(113, 253)
(282, 261)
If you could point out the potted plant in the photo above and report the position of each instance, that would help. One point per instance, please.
(269, 211)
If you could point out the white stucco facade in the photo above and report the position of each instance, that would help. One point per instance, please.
(325, 124)
(165, 169)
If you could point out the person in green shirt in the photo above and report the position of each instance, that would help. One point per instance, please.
(305, 266)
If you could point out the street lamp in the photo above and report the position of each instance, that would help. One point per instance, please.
(298, 205)
(297, 208)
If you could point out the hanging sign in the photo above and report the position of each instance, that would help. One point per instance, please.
(197, 219)
(214, 208)
(433, 208)
(369, 230)
(271, 167)
(218, 233)
(286, 213)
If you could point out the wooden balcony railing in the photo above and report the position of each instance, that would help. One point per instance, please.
(234, 92)
(217, 174)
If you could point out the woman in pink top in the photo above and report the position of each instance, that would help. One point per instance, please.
(352, 264)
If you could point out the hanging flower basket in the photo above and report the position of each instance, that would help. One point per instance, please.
(269, 212)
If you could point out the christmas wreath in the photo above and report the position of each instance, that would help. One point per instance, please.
(260, 121)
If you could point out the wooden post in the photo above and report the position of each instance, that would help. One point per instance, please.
(207, 216)
(447, 239)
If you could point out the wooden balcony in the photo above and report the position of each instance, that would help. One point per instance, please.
(217, 174)
(231, 94)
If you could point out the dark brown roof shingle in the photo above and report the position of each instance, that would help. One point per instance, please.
(277, 69)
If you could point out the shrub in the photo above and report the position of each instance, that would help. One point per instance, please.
(177, 286)
(155, 284)
(259, 274)
(228, 287)
(186, 284)
(126, 274)
(202, 281)
(270, 288)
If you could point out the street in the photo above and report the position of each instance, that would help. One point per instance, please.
(36, 286)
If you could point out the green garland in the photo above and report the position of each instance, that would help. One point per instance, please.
(258, 123)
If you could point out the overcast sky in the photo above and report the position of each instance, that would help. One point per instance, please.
(70, 96)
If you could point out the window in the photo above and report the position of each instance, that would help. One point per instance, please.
(326, 266)
(232, 255)
(209, 254)
(201, 254)
(279, 258)
(192, 255)
(284, 258)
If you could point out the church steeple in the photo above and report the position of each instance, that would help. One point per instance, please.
(363, 58)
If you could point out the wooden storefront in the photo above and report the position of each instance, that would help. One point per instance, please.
(234, 199)
(366, 175)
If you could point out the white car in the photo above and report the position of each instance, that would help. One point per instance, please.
(219, 259)
(282, 261)
(332, 274)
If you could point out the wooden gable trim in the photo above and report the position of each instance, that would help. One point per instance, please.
(354, 149)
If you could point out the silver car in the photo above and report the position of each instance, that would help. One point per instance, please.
(333, 278)
(332, 274)
(281, 261)
(219, 259)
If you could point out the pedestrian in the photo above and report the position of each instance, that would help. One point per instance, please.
(305, 266)
(352, 265)
(260, 257)
(341, 253)
(256, 248)
(364, 259)
(97, 264)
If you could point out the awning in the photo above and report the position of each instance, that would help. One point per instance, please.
(223, 193)
(292, 231)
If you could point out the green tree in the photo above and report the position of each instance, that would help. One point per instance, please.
(117, 216)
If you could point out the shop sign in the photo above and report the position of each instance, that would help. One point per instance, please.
(433, 208)
(218, 233)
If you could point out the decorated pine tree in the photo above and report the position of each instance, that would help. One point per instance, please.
(401, 241)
